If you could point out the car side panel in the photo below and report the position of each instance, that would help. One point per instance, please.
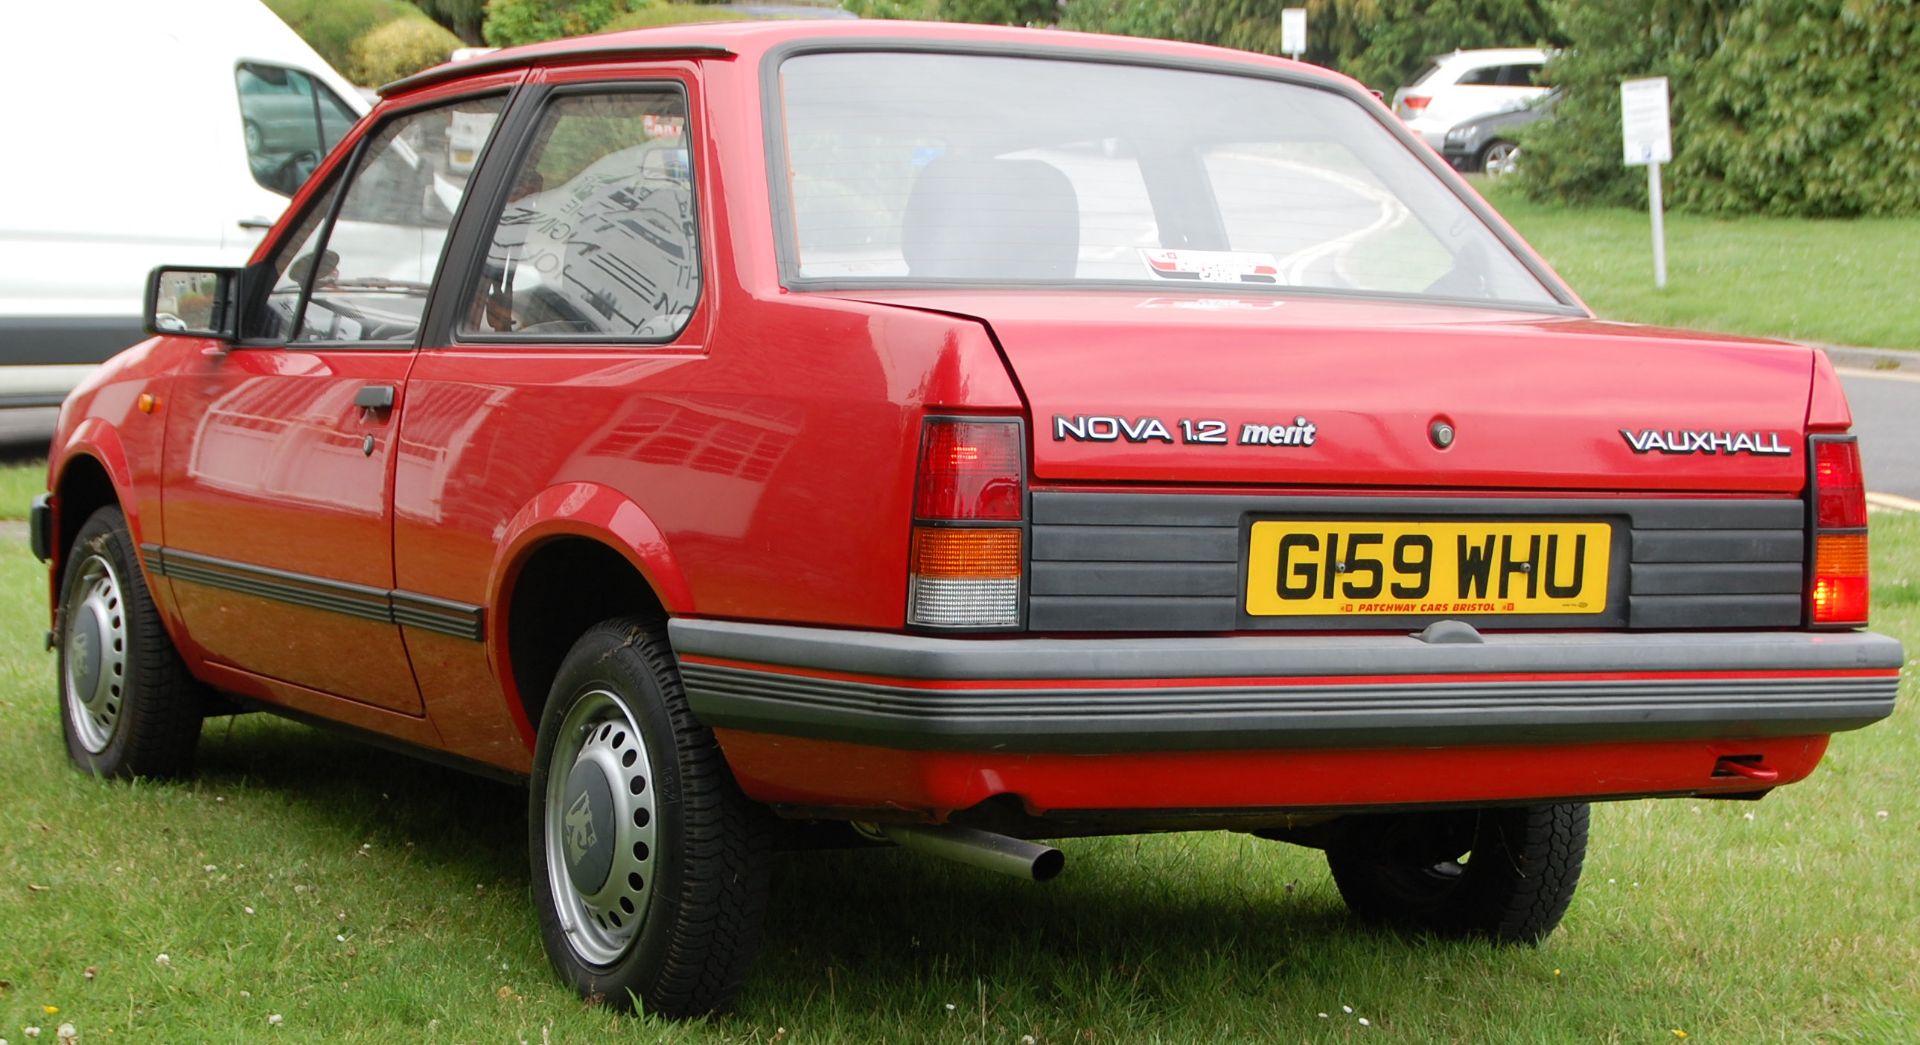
(103, 420)
(770, 447)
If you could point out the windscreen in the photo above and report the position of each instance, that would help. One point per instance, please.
(911, 169)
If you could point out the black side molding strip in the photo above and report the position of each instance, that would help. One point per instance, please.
(445, 616)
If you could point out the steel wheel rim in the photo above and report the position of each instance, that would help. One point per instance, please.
(599, 741)
(94, 647)
(1502, 159)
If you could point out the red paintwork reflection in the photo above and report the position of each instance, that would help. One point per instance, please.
(930, 785)
(267, 465)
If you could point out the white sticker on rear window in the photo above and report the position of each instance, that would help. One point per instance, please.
(1212, 266)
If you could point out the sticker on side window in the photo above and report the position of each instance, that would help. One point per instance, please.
(1212, 266)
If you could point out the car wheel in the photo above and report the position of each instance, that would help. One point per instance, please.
(128, 707)
(649, 865)
(1500, 159)
(254, 139)
(1505, 874)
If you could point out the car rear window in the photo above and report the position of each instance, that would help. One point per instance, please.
(915, 169)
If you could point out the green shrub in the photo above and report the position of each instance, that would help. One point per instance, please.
(331, 26)
(1789, 107)
(400, 48)
(673, 14)
(512, 22)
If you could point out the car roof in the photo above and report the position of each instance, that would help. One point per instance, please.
(1493, 56)
(750, 40)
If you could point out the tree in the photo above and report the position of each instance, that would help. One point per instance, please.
(512, 22)
(1381, 43)
(464, 18)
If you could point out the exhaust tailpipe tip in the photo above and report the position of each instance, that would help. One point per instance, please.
(982, 849)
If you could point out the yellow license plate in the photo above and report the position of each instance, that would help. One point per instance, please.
(1345, 567)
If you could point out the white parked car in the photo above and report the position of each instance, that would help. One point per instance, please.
(184, 141)
(1457, 87)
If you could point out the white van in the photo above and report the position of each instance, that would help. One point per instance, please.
(136, 134)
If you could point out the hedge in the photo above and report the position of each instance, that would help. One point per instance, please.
(1785, 107)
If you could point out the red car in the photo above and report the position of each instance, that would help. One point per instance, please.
(968, 435)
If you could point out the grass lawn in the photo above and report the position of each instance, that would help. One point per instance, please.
(1838, 282)
(361, 896)
(19, 485)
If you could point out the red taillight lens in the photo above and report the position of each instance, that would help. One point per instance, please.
(1415, 102)
(1840, 491)
(969, 470)
(1839, 591)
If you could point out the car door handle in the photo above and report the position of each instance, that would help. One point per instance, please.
(378, 398)
(256, 223)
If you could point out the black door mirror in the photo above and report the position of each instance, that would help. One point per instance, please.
(193, 302)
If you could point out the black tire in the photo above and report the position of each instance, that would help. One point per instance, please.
(128, 707)
(1499, 159)
(693, 869)
(1503, 874)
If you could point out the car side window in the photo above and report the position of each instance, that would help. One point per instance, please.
(289, 121)
(271, 318)
(363, 276)
(1485, 76)
(597, 238)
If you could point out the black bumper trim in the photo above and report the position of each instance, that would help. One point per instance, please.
(1374, 709)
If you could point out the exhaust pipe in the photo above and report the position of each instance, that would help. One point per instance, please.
(982, 849)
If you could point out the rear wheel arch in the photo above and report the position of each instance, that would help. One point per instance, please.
(555, 591)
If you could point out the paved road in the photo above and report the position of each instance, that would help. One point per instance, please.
(1886, 416)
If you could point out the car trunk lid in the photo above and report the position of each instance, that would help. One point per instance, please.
(1322, 392)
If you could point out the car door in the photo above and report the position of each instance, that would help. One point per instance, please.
(1487, 89)
(564, 353)
(277, 500)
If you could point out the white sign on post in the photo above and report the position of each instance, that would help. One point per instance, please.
(1647, 141)
(1643, 121)
(1293, 31)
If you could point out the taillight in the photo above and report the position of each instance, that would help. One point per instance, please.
(1415, 102)
(969, 504)
(1837, 594)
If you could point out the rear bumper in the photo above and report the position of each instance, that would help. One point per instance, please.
(1268, 692)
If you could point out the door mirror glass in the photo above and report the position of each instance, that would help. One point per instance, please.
(191, 302)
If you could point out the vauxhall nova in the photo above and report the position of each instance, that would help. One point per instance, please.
(967, 435)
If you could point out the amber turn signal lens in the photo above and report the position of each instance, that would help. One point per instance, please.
(946, 553)
(1840, 578)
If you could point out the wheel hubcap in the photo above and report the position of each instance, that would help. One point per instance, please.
(94, 686)
(600, 828)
